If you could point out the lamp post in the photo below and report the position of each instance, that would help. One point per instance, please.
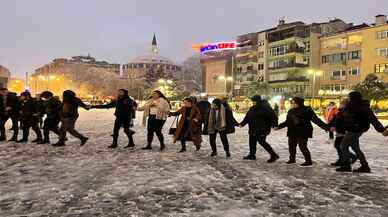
(226, 80)
(314, 73)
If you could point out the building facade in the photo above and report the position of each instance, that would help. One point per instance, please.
(348, 57)
(85, 75)
(4, 76)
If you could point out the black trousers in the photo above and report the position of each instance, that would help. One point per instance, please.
(261, 139)
(34, 124)
(293, 142)
(154, 126)
(224, 140)
(50, 124)
(15, 126)
(126, 125)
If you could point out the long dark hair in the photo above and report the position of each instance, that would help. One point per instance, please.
(161, 95)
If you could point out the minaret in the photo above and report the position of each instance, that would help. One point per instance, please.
(155, 48)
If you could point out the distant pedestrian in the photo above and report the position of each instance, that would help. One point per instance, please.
(69, 115)
(221, 121)
(124, 114)
(189, 125)
(330, 113)
(260, 119)
(298, 122)
(357, 119)
(156, 111)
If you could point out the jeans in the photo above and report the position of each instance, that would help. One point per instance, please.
(224, 140)
(293, 142)
(352, 139)
(261, 139)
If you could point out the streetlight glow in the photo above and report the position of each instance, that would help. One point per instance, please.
(161, 81)
(221, 77)
(229, 78)
(169, 82)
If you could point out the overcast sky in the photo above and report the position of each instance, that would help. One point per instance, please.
(33, 32)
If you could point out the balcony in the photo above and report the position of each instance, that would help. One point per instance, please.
(290, 65)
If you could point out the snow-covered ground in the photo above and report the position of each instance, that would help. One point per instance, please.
(40, 180)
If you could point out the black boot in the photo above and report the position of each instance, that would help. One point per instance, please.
(338, 163)
(183, 149)
(291, 161)
(22, 141)
(60, 143)
(113, 145)
(197, 147)
(228, 154)
(363, 169)
(84, 140)
(306, 164)
(45, 141)
(3, 138)
(148, 147)
(130, 146)
(162, 147)
(213, 154)
(249, 157)
(274, 157)
(36, 140)
(346, 167)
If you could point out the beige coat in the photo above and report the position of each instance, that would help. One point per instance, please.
(163, 108)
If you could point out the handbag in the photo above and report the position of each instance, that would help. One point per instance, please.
(173, 128)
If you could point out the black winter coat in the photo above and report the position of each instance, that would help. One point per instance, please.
(12, 101)
(124, 108)
(69, 108)
(299, 120)
(357, 118)
(29, 110)
(260, 118)
(52, 108)
(231, 122)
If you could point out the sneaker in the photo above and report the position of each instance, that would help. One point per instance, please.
(84, 140)
(291, 162)
(306, 164)
(273, 159)
(249, 157)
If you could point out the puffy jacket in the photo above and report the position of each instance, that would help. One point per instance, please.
(260, 118)
(357, 118)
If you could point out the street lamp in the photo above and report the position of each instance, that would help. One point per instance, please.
(226, 80)
(314, 73)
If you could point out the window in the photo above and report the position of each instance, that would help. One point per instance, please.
(382, 34)
(261, 54)
(334, 58)
(354, 71)
(381, 68)
(278, 50)
(383, 52)
(336, 73)
(354, 55)
(260, 67)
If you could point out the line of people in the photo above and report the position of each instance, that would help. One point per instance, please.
(194, 119)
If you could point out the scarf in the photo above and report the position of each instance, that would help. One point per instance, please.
(217, 120)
